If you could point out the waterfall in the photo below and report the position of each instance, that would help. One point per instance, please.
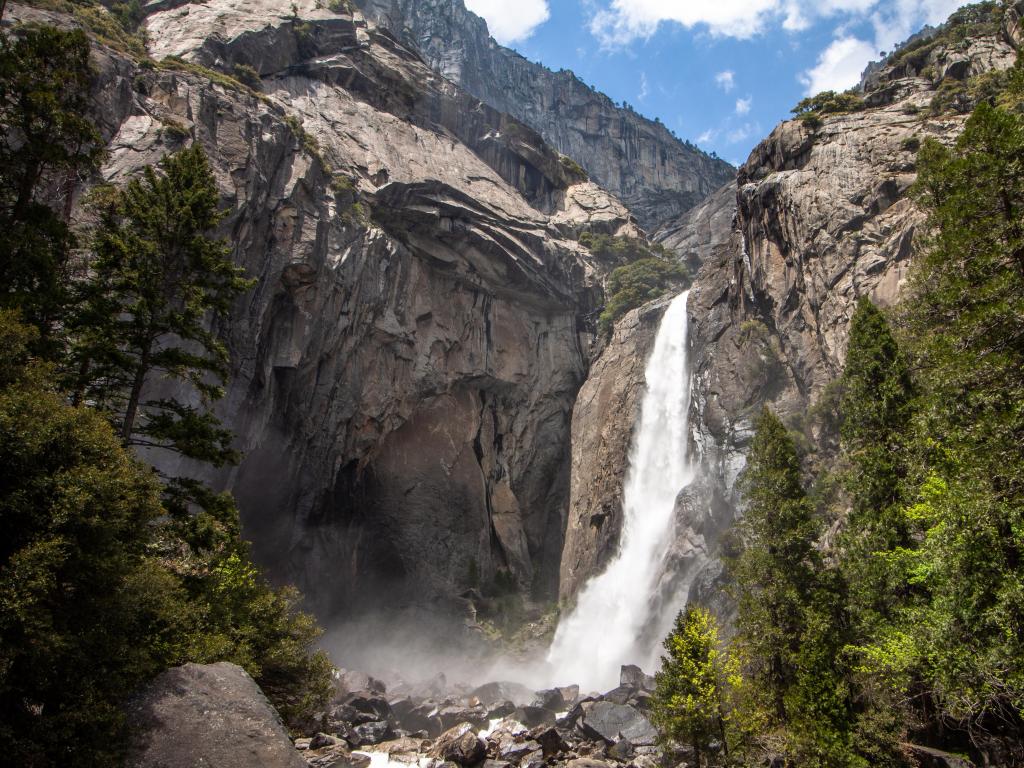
(606, 627)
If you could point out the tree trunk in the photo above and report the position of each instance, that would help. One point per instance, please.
(132, 410)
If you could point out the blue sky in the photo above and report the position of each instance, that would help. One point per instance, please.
(720, 73)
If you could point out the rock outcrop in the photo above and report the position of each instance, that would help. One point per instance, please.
(405, 369)
(207, 714)
(819, 216)
(655, 174)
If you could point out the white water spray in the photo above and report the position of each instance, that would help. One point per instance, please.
(604, 630)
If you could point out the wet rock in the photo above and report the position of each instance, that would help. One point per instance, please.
(550, 698)
(375, 732)
(207, 714)
(348, 681)
(459, 745)
(634, 677)
(619, 695)
(321, 740)
(613, 722)
(503, 709)
(516, 751)
(570, 694)
(584, 762)
(531, 716)
(451, 716)
(336, 757)
(495, 764)
(366, 703)
(621, 751)
(551, 741)
(499, 692)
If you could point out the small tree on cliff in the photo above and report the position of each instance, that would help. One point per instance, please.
(158, 279)
(690, 701)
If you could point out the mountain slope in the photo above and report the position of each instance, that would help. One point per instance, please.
(656, 175)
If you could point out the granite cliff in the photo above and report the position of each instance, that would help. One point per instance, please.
(405, 369)
(640, 161)
(819, 216)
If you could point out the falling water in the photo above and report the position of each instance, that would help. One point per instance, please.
(605, 629)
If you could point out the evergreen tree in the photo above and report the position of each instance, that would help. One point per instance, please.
(690, 702)
(790, 620)
(47, 145)
(966, 317)
(876, 545)
(159, 278)
(876, 408)
(86, 614)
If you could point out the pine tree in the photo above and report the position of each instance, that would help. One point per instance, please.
(790, 621)
(775, 573)
(966, 316)
(876, 408)
(47, 146)
(159, 279)
(690, 701)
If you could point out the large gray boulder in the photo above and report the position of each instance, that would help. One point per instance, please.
(207, 715)
(614, 722)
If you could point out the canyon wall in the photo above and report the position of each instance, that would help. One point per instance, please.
(640, 161)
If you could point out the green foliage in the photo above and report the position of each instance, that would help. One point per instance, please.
(972, 21)
(789, 623)
(46, 144)
(965, 318)
(828, 103)
(635, 284)
(248, 76)
(102, 586)
(79, 626)
(692, 700)
(158, 278)
(647, 272)
(574, 169)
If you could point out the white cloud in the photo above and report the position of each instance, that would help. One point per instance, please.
(744, 132)
(619, 22)
(839, 66)
(511, 21)
(743, 105)
(644, 87)
(726, 80)
(708, 136)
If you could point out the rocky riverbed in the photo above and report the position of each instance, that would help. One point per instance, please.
(496, 725)
(216, 715)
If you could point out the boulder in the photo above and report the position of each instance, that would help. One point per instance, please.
(531, 716)
(498, 692)
(570, 694)
(322, 740)
(504, 709)
(207, 714)
(372, 704)
(453, 715)
(586, 762)
(634, 677)
(613, 722)
(550, 698)
(347, 681)
(550, 740)
(372, 733)
(620, 695)
(927, 757)
(621, 751)
(459, 745)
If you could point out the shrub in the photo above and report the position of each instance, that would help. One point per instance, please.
(634, 284)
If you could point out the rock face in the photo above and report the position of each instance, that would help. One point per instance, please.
(207, 714)
(654, 173)
(606, 409)
(819, 216)
(406, 367)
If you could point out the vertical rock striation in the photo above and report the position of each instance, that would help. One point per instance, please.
(655, 174)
